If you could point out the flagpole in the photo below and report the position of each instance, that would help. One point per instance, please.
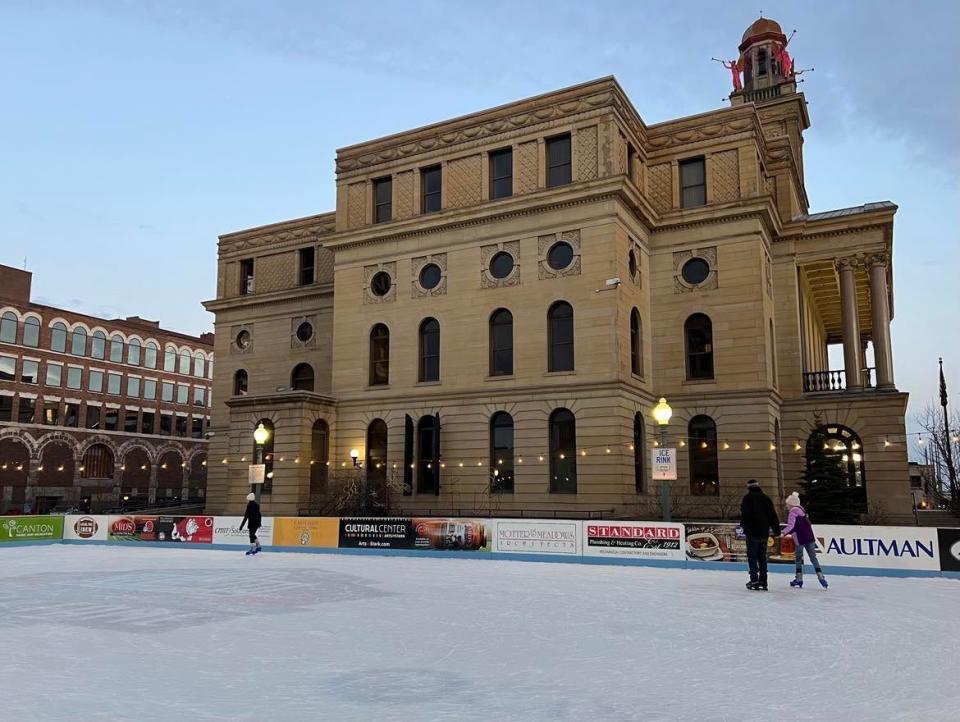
(946, 436)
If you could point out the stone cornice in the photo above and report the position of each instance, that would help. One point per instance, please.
(295, 294)
(285, 398)
(720, 123)
(280, 235)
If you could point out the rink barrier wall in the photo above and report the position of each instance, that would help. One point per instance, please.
(850, 550)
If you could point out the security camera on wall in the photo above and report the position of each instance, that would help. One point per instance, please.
(613, 282)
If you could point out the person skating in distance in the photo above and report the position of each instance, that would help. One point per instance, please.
(252, 518)
(759, 520)
(798, 524)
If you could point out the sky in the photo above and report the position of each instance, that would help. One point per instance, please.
(133, 133)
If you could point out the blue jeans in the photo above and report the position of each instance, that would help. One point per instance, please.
(757, 559)
(811, 548)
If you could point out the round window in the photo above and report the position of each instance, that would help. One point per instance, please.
(430, 276)
(243, 339)
(501, 265)
(381, 283)
(695, 271)
(632, 262)
(304, 332)
(560, 256)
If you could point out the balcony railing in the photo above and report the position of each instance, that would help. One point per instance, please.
(827, 381)
(761, 94)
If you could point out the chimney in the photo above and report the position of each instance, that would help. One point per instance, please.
(15, 284)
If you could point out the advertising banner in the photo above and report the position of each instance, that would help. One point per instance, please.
(634, 539)
(85, 528)
(305, 532)
(728, 543)
(443, 534)
(522, 536)
(226, 530)
(949, 549)
(31, 528)
(183, 529)
(883, 547)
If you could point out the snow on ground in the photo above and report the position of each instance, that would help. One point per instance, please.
(121, 633)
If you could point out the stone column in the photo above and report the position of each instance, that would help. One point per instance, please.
(852, 359)
(152, 489)
(880, 311)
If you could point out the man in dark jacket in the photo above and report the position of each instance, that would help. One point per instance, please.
(759, 520)
(252, 518)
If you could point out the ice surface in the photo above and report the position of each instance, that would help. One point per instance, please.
(121, 633)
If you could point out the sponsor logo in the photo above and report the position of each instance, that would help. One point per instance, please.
(633, 532)
(955, 550)
(304, 537)
(26, 529)
(872, 547)
(124, 527)
(86, 527)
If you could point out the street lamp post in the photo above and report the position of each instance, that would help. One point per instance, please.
(661, 414)
(260, 436)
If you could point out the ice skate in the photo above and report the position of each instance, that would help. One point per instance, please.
(798, 582)
(822, 579)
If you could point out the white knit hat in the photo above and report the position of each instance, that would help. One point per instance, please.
(792, 500)
(251, 496)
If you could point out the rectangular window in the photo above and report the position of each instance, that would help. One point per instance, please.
(246, 276)
(111, 419)
(6, 408)
(501, 173)
(27, 410)
(30, 372)
(71, 415)
(93, 417)
(382, 200)
(196, 428)
(181, 426)
(130, 421)
(198, 395)
(430, 189)
(51, 413)
(307, 265)
(183, 393)
(166, 392)
(95, 382)
(54, 372)
(166, 424)
(114, 384)
(146, 423)
(149, 389)
(74, 377)
(8, 369)
(133, 386)
(559, 167)
(693, 183)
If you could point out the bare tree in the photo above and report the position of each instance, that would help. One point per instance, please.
(940, 451)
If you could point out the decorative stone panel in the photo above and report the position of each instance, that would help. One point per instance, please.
(276, 272)
(417, 264)
(369, 297)
(231, 280)
(526, 167)
(660, 188)
(464, 182)
(587, 167)
(488, 252)
(768, 273)
(295, 322)
(621, 156)
(324, 265)
(708, 254)
(356, 205)
(770, 187)
(235, 331)
(544, 243)
(775, 129)
(403, 195)
(725, 168)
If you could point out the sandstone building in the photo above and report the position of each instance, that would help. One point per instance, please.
(499, 300)
(93, 410)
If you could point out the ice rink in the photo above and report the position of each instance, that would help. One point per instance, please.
(121, 633)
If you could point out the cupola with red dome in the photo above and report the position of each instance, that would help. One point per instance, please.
(766, 65)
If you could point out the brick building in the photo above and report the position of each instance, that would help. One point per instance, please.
(498, 301)
(97, 413)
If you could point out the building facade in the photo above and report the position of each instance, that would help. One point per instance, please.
(97, 413)
(488, 317)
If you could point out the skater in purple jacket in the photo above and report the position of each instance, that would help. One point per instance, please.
(799, 526)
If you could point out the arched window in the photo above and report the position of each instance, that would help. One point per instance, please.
(267, 458)
(428, 455)
(97, 463)
(704, 468)
(78, 341)
(501, 343)
(563, 452)
(639, 452)
(199, 364)
(501, 452)
(133, 352)
(302, 378)
(150, 355)
(560, 337)
(31, 331)
(319, 456)
(98, 345)
(840, 446)
(698, 331)
(170, 359)
(377, 460)
(116, 348)
(185, 360)
(636, 343)
(761, 61)
(58, 337)
(379, 355)
(773, 356)
(240, 383)
(430, 350)
(8, 327)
